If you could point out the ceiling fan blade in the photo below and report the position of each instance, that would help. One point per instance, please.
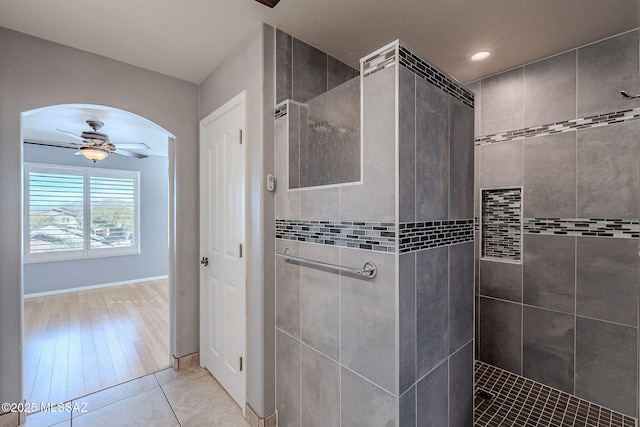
(270, 3)
(132, 145)
(130, 154)
(71, 145)
(71, 134)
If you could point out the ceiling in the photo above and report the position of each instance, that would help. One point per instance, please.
(188, 38)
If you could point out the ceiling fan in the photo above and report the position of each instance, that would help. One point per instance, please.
(96, 145)
(270, 3)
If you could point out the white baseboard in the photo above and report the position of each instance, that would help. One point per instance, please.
(85, 288)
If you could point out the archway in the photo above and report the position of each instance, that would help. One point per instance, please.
(40, 126)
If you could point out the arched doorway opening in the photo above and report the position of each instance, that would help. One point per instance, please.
(95, 318)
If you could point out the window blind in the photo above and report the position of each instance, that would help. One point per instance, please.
(113, 205)
(73, 213)
(56, 212)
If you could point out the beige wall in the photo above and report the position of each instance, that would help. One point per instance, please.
(36, 73)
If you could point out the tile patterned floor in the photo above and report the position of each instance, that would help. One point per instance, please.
(190, 397)
(517, 401)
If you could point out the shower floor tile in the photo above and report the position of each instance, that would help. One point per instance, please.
(520, 402)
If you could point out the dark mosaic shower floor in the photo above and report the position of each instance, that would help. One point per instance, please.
(520, 402)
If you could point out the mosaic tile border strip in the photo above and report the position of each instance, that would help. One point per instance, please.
(519, 401)
(373, 236)
(597, 227)
(502, 223)
(281, 110)
(434, 76)
(398, 53)
(379, 61)
(561, 127)
(416, 236)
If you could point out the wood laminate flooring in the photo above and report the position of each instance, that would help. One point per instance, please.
(80, 342)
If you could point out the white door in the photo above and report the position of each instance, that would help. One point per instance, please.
(222, 230)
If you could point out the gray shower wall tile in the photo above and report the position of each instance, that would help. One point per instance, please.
(604, 69)
(407, 145)
(550, 90)
(607, 279)
(477, 106)
(501, 334)
(408, 408)
(548, 347)
(476, 328)
(287, 202)
(288, 290)
(501, 165)
(320, 300)
(287, 380)
(302, 166)
(309, 71)
(304, 72)
(432, 301)
(549, 272)
(365, 405)
(283, 66)
(319, 389)
(433, 398)
(320, 203)
(461, 292)
(368, 318)
(296, 140)
(407, 320)
(338, 72)
(606, 364)
(502, 102)
(461, 167)
(501, 280)
(476, 261)
(432, 152)
(550, 176)
(461, 387)
(608, 171)
(374, 199)
(476, 182)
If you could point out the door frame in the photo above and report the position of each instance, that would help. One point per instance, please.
(240, 98)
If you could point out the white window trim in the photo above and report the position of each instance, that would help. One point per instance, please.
(87, 252)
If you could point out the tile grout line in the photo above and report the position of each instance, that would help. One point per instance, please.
(558, 404)
(167, 399)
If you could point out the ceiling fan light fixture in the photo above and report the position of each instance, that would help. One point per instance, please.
(94, 153)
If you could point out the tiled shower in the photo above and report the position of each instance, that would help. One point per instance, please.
(557, 189)
(397, 349)
(556, 206)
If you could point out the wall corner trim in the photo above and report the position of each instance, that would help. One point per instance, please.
(255, 421)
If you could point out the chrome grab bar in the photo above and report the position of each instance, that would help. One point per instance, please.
(368, 270)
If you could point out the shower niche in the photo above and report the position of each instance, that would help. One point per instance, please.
(324, 147)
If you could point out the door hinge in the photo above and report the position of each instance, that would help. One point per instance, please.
(240, 250)
(240, 134)
(240, 364)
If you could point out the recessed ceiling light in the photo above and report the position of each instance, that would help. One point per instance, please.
(480, 56)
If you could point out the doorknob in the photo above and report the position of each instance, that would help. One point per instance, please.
(204, 261)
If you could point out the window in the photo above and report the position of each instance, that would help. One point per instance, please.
(74, 213)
